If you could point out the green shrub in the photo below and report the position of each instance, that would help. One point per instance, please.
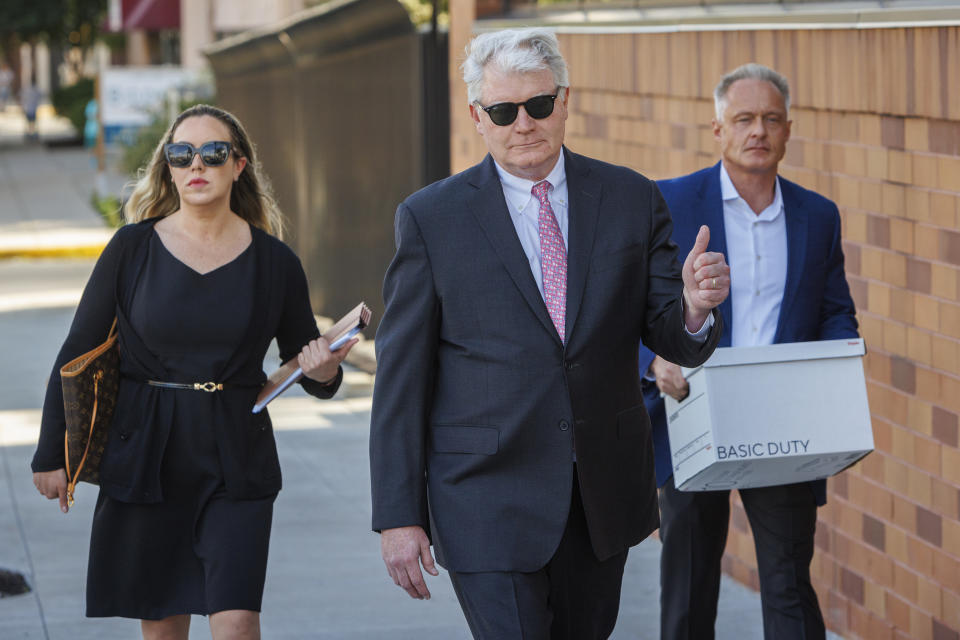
(109, 209)
(137, 154)
(71, 101)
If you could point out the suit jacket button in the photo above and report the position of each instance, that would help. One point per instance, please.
(564, 425)
(123, 435)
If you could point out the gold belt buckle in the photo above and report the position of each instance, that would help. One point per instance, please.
(209, 387)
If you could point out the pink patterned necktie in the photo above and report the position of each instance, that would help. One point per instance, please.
(553, 260)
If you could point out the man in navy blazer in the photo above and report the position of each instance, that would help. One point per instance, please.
(508, 427)
(782, 243)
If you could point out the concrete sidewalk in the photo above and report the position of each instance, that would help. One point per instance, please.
(45, 192)
(45, 202)
(50, 126)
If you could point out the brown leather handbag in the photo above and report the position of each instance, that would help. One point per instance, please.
(90, 384)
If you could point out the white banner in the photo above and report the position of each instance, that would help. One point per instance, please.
(131, 94)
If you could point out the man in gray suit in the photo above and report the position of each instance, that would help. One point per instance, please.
(508, 426)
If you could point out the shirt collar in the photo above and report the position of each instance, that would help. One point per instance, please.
(729, 192)
(517, 190)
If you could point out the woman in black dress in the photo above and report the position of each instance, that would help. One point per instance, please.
(199, 286)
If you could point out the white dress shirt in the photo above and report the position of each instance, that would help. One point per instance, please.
(757, 254)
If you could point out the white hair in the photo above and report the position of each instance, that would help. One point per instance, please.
(513, 51)
(754, 71)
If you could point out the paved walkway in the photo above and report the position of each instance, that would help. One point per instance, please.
(325, 578)
(50, 126)
(45, 192)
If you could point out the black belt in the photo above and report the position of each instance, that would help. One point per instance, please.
(209, 387)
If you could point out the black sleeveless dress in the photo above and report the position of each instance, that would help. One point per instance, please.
(196, 552)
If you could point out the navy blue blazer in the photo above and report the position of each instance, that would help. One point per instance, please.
(816, 299)
(478, 404)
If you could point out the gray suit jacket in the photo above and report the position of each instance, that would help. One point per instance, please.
(478, 405)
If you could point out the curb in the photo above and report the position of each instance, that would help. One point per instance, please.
(83, 242)
(89, 251)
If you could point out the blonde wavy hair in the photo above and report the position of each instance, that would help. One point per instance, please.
(251, 197)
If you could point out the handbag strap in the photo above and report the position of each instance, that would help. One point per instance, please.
(72, 478)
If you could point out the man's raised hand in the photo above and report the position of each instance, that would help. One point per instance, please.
(706, 281)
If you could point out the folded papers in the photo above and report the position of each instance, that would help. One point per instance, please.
(338, 335)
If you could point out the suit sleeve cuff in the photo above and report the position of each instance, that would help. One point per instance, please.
(704, 331)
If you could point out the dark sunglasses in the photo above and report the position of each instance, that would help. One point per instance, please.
(537, 107)
(180, 154)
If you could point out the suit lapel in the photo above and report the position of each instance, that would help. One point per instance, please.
(583, 190)
(711, 197)
(796, 218)
(488, 206)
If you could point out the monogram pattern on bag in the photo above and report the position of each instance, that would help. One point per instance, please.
(98, 370)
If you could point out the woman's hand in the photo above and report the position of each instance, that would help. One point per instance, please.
(319, 363)
(53, 485)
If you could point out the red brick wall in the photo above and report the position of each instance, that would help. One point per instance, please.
(877, 129)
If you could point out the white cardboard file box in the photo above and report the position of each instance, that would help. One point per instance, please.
(770, 415)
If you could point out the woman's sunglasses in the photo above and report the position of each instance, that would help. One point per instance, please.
(180, 154)
(537, 107)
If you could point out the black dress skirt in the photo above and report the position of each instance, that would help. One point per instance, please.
(197, 551)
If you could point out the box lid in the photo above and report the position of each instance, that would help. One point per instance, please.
(816, 350)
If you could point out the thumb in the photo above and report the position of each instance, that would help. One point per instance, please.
(703, 239)
(426, 558)
(62, 494)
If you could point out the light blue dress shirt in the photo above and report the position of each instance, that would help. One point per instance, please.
(524, 211)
